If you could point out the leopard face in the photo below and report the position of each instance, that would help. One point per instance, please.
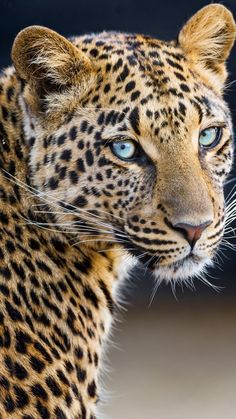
(130, 138)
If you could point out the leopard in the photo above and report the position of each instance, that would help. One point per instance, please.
(114, 151)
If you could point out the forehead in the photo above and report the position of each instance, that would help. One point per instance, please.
(156, 77)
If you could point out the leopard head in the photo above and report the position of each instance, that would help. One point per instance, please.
(130, 139)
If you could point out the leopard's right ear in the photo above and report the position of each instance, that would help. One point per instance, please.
(45, 58)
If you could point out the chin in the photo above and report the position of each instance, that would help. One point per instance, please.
(187, 268)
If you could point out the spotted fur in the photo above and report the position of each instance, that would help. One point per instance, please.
(72, 213)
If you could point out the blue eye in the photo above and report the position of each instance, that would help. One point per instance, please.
(124, 149)
(210, 137)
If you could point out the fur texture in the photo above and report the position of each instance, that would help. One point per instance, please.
(74, 217)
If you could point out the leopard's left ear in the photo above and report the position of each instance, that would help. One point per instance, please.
(207, 39)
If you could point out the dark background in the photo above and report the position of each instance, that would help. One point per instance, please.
(161, 19)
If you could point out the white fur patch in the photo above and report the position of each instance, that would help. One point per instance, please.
(177, 272)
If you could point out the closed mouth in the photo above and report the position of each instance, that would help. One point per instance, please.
(180, 263)
(189, 266)
(185, 266)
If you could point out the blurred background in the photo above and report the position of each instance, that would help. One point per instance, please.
(174, 355)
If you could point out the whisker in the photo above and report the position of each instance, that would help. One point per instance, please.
(41, 195)
(98, 241)
(157, 284)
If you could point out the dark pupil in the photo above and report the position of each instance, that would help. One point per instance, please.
(123, 146)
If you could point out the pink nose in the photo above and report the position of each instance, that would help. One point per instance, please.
(191, 232)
